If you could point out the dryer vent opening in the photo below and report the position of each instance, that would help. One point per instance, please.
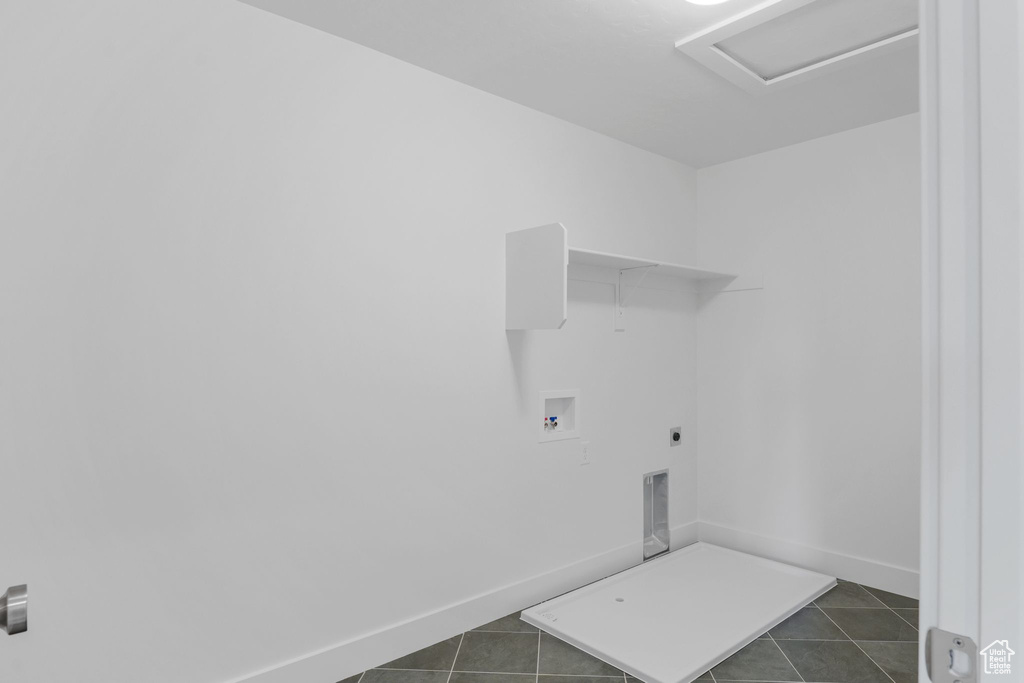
(655, 513)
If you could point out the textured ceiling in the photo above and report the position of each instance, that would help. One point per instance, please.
(611, 66)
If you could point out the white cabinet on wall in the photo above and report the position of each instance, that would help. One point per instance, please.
(536, 278)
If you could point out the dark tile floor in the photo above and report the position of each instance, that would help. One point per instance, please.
(852, 634)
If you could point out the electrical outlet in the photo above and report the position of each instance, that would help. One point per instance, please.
(675, 436)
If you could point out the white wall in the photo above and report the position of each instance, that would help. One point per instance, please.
(809, 413)
(256, 396)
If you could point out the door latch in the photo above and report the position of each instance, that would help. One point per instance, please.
(950, 658)
(14, 610)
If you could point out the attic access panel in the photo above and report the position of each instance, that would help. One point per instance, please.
(791, 41)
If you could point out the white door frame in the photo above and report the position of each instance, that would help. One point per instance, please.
(972, 524)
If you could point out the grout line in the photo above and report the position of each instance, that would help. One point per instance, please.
(875, 597)
(571, 675)
(784, 655)
(537, 675)
(858, 644)
(836, 640)
(496, 673)
(712, 674)
(457, 650)
(815, 604)
(508, 673)
(361, 677)
(913, 626)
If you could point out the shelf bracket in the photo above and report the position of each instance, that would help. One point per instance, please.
(622, 296)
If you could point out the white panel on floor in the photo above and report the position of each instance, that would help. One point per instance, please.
(673, 618)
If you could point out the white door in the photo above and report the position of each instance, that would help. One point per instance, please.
(972, 574)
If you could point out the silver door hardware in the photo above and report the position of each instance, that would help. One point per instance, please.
(950, 658)
(14, 610)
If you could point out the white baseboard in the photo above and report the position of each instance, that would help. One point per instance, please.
(373, 649)
(858, 569)
(684, 535)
